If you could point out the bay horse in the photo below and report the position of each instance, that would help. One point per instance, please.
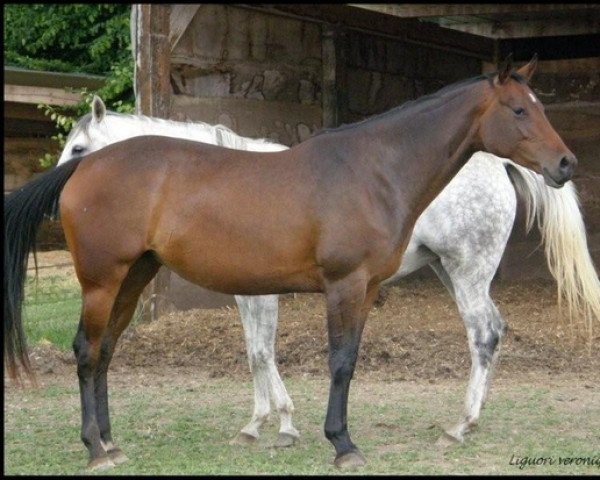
(461, 235)
(342, 206)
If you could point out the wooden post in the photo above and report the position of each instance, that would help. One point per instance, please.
(150, 39)
(335, 93)
(152, 60)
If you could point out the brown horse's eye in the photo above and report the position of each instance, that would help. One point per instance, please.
(519, 112)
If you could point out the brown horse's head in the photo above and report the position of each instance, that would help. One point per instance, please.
(513, 125)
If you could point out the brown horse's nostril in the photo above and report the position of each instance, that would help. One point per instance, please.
(567, 164)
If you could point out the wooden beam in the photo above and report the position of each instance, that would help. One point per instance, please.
(34, 78)
(24, 111)
(36, 95)
(532, 28)
(551, 48)
(413, 10)
(180, 18)
(402, 29)
(21, 127)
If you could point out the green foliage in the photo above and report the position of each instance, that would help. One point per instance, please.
(74, 38)
(85, 38)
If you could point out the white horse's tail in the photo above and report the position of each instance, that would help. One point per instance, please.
(563, 234)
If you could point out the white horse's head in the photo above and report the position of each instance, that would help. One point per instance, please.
(100, 128)
(92, 132)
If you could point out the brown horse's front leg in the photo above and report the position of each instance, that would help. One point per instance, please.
(348, 304)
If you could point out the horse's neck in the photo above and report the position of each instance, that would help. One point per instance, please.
(435, 141)
(427, 143)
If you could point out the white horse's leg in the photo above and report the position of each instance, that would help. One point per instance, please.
(262, 406)
(485, 329)
(259, 318)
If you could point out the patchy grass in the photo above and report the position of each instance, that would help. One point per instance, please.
(181, 424)
(177, 420)
(51, 310)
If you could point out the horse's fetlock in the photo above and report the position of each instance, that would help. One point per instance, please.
(331, 434)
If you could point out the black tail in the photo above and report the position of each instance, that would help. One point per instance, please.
(24, 211)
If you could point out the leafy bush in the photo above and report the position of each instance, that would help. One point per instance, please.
(73, 38)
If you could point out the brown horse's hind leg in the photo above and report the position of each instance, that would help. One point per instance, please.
(88, 345)
(348, 304)
(104, 308)
(140, 274)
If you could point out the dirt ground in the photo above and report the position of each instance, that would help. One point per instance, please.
(417, 335)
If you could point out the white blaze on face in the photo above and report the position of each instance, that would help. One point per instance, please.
(532, 96)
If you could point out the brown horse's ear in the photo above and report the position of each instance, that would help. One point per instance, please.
(505, 70)
(526, 71)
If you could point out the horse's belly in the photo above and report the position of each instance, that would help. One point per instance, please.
(244, 258)
(241, 275)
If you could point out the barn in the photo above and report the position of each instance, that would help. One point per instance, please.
(283, 72)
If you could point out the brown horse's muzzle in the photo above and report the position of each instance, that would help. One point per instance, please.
(562, 173)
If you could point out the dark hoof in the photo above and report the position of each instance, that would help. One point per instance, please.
(285, 440)
(117, 456)
(101, 463)
(353, 459)
(243, 438)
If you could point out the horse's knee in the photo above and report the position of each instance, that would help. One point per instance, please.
(342, 368)
(486, 329)
(486, 346)
(260, 358)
